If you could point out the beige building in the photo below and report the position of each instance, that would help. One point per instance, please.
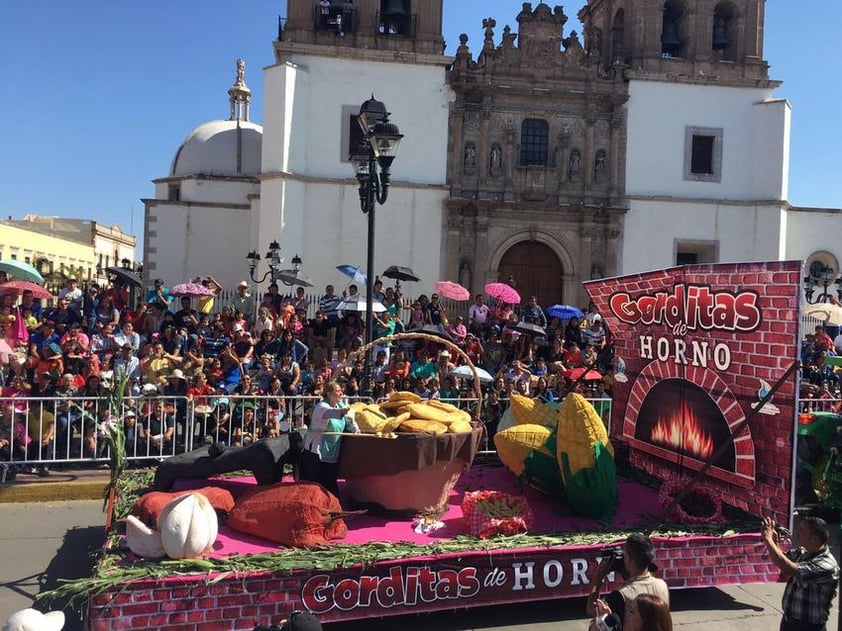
(60, 248)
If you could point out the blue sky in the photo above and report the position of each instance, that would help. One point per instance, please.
(98, 95)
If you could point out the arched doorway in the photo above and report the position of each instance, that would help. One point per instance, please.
(536, 271)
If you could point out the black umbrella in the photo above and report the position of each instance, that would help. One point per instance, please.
(290, 277)
(396, 272)
(527, 328)
(126, 275)
(435, 329)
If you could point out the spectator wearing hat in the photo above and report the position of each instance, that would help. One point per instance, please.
(444, 365)
(458, 331)
(638, 560)
(243, 301)
(127, 364)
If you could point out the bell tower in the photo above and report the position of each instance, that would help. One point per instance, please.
(709, 40)
(412, 26)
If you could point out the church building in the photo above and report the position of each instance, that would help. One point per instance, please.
(545, 155)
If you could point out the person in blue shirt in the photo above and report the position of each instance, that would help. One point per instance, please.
(320, 460)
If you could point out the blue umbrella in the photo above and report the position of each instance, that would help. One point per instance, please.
(21, 271)
(564, 312)
(354, 273)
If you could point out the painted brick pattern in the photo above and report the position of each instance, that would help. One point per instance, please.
(236, 603)
(761, 481)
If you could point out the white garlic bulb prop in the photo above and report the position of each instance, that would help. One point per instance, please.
(188, 526)
(142, 540)
(34, 620)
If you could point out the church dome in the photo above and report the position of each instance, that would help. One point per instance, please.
(221, 147)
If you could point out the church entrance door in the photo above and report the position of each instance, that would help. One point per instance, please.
(536, 271)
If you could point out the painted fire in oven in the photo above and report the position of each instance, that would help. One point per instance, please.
(680, 429)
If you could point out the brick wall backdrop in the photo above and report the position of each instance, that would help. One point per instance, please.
(762, 354)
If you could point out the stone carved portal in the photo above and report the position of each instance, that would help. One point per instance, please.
(536, 269)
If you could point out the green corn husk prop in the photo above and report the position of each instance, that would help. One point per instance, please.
(115, 437)
(528, 451)
(585, 458)
(592, 492)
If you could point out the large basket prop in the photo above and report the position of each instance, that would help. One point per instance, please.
(414, 472)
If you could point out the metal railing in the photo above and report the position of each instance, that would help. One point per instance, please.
(37, 433)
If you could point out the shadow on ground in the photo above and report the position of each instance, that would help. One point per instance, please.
(74, 559)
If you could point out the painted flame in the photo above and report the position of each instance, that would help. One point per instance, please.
(680, 429)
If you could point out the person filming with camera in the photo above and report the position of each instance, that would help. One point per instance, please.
(635, 563)
(811, 571)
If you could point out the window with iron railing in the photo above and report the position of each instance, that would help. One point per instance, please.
(533, 142)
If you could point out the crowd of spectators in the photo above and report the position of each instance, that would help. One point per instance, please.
(247, 369)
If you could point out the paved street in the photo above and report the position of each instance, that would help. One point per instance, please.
(46, 541)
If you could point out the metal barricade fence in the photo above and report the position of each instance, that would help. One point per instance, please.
(821, 405)
(39, 432)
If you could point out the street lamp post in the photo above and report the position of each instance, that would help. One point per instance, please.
(378, 149)
(288, 277)
(821, 275)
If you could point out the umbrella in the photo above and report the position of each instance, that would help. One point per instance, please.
(528, 328)
(451, 290)
(829, 313)
(126, 275)
(582, 374)
(19, 286)
(21, 270)
(434, 329)
(396, 272)
(291, 277)
(564, 312)
(360, 306)
(354, 273)
(191, 289)
(465, 372)
(503, 292)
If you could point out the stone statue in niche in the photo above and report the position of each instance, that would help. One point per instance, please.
(599, 166)
(495, 160)
(574, 165)
(469, 162)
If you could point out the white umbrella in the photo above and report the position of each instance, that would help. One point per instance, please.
(360, 306)
(827, 312)
(465, 372)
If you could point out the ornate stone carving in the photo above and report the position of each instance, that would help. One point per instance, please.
(600, 166)
(469, 158)
(508, 38)
(495, 160)
(574, 165)
(488, 24)
(471, 119)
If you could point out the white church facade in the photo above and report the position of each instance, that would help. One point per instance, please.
(545, 159)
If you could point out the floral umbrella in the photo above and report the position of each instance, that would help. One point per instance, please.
(17, 287)
(191, 289)
(564, 312)
(503, 292)
(452, 291)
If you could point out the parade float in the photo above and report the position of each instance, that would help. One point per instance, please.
(699, 446)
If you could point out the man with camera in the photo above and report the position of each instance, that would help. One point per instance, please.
(812, 574)
(634, 561)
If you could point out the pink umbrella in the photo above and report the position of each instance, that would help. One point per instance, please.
(503, 292)
(20, 331)
(453, 291)
(19, 286)
(582, 374)
(190, 289)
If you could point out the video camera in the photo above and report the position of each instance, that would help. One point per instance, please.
(615, 553)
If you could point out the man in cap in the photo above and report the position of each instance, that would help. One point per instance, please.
(638, 557)
(243, 301)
